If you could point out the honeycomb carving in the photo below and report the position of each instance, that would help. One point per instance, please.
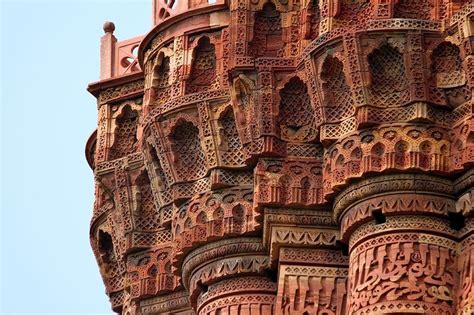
(337, 94)
(125, 134)
(296, 116)
(288, 157)
(188, 156)
(448, 76)
(232, 151)
(388, 86)
(161, 81)
(267, 35)
(203, 76)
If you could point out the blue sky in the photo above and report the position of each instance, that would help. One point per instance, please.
(49, 53)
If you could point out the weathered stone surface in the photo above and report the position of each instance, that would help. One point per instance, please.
(287, 157)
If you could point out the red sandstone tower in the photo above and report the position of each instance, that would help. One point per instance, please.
(288, 157)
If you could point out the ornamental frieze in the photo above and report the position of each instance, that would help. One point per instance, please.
(287, 157)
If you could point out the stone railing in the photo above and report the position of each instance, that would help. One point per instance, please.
(163, 9)
(118, 58)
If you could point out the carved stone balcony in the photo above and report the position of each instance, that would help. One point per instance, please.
(282, 157)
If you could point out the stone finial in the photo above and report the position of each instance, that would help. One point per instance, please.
(109, 27)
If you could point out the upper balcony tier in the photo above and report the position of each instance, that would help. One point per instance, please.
(165, 9)
(121, 58)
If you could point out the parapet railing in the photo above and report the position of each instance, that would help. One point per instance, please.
(119, 58)
(163, 9)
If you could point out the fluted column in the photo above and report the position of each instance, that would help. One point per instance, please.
(465, 266)
(228, 277)
(238, 296)
(402, 250)
(465, 261)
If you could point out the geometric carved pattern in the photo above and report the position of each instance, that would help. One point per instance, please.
(177, 301)
(290, 183)
(188, 152)
(311, 290)
(288, 157)
(214, 251)
(226, 212)
(301, 237)
(337, 94)
(161, 81)
(392, 204)
(267, 33)
(211, 301)
(203, 71)
(389, 85)
(386, 148)
(125, 134)
(232, 153)
(150, 273)
(447, 66)
(225, 267)
(296, 116)
(402, 222)
(448, 76)
(314, 20)
(258, 304)
(413, 9)
(147, 218)
(325, 257)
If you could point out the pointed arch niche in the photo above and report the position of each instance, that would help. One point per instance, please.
(230, 146)
(338, 101)
(189, 159)
(296, 115)
(203, 76)
(161, 81)
(389, 87)
(147, 218)
(125, 133)
(267, 33)
(448, 78)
